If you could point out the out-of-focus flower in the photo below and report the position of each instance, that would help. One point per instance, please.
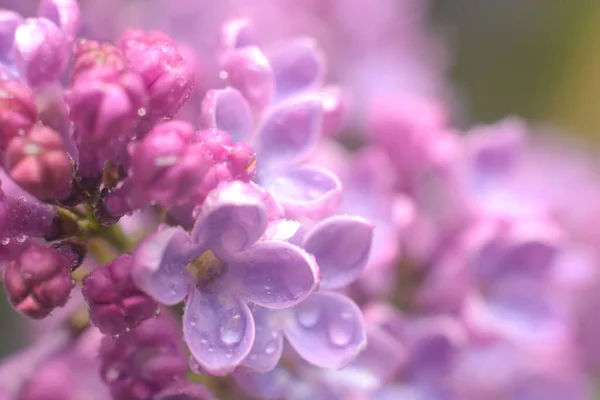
(143, 362)
(40, 51)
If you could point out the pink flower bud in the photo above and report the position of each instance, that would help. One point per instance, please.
(169, 78)
(38, 281)
(18, 111)
(39, 164)
(40, 50)
(116, 304)
(104, 106)
(88, 54)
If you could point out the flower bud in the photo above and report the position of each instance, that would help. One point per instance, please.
(116, 304)
(88, 54)
(40, 50)
(141, 363)
(18, 111)
(38, 281)
(168, 78)
(39, 164)
(104, 105)
(64, 13)
(166, 166)
(9, 21)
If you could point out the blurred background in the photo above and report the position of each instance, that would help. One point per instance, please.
(534, 58)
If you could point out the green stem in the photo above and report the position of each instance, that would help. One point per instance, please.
(115, 236)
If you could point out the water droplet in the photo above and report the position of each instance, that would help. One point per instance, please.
(116, 335)
(308, 315)
(232, 329)
(341, 332)
(112, 375)
(223, 75)
(156, 312)
(141, 111)
(5, 241)
(271, 348)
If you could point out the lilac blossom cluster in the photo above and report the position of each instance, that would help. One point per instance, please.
(247, 253)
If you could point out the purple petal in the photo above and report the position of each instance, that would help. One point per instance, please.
(285, 230)
(433, 345)
(219, 331)
(308, 190)
(270, 385)
(64, 13)
(249, 71)
(228, 111)
(40, 50)
(268, 342)
(232, 217)
(299, 66)
(9, 20)
(327, 329)
(159, 265)
(276, 274)
(289, 132)
(237, 33)
(381, 359)
(185, 391)
(341, 246)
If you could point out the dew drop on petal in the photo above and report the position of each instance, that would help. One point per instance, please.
(271, 348)
(308, 315)
(21, 238)
(5, 241)
(341, 330)
(232, 328)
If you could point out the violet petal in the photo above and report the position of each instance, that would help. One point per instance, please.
(326, 329)
(307, 190)
(219, 331)
(228, 111)
(276, 274)
(159, 265)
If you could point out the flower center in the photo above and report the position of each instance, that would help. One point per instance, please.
(206, 269)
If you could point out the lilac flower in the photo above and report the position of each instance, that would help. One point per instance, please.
(88, 54)
(145, 361)
(65, 14)
(175, 167)
(489, 255)
(9, 21)
(24, 218)
(522, 358)
(40, 51)
(327, 328)
(382, 358)
(38, 280)
(168, 78)
(104, 106)
(16, 370)
(368, 180)
(285, 136)
(18, 111)
(70, 373)
(116, 305)
(219, 269)
(39, 163)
